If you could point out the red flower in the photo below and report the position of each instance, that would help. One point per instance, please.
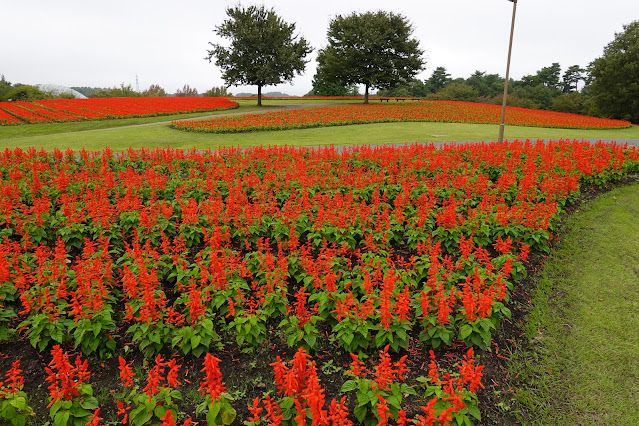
(167, 419)
(155, 377)
(383, 411)
(171, 376)
(212, 384)
(95, 419)
(255, 410)
(64, 377)
(503, 246)
(126, 373)
(122, 410)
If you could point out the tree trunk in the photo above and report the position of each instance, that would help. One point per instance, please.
(259, 95)
(366, 94)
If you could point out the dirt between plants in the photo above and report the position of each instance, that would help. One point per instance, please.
(250, 375)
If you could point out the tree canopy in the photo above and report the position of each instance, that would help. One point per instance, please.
(154, 90)
(374, 49)
(124, 91)
(438, 79)
(264, 50)
(615, 88)
(186, 91)
(323, 87)
(216, 92)
(571, 78)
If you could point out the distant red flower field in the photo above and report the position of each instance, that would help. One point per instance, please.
(63, 110)
(441, 111)
(320, 98)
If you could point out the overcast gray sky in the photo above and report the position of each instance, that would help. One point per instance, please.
(106, 43)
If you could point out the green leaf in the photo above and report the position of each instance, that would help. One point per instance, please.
(348, 386)
(465, 331)
(291, 340)
(363, 398)
(228, 416)
(311, 339)
(79, 411)
(159, 411)
(195, 340)
(476, 340)
(97, 327)
(90, 403)
(140, 416)
(394, 402)
(207, 324)
(255, 331)
(347, 338)
(474, 411)
(360, 413)
(61, 418)
(212, 414)
(287, 403)
(20, 403)
(9, 412)
(175, 340)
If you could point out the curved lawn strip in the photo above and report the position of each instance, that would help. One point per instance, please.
(582, 367)
(162, 135)
(439, 111)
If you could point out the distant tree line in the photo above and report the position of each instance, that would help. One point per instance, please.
(25, 92)
(154, 90)
(124, 91)
(548, 89)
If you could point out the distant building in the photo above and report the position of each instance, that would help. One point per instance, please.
(57, 90)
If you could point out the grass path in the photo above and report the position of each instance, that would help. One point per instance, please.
(582, 367)
(161, 135)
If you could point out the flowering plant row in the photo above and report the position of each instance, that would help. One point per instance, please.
(298, 396)
(63, 110)
(440, 111)
(337, 98)
(358, 248)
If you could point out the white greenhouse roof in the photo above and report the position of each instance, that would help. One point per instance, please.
(57, 89)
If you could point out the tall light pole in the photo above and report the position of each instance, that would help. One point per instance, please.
(510, 49)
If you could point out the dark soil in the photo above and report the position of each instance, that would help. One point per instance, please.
(250, 375)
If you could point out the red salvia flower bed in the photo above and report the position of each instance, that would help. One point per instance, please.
(380, 250)
(64, 110)
(440, 111)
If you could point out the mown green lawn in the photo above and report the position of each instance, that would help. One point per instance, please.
(581, 366)
(161, 135)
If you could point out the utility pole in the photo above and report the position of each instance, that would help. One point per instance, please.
(510, 49)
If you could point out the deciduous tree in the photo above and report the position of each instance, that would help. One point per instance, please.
(615, 89)
(375, 49)
(264, 50)
(186, 91)
(323, 87)
(155, 90)
(217, 92)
